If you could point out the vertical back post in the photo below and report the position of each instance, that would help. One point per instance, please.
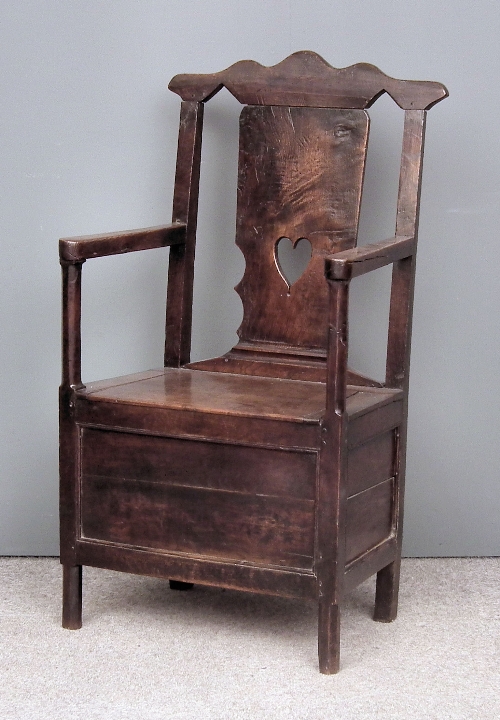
(403, 274)
(181, 260)
(399, 340)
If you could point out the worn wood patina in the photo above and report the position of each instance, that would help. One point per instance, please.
(274, 468)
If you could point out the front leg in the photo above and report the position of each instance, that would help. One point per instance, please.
(328, 638)
(72, 597)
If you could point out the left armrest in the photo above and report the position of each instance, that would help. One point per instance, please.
(348, 264)
(79, 249)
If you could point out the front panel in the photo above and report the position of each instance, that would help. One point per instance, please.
(221, 501)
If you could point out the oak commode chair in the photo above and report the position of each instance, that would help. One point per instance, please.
(273, 469)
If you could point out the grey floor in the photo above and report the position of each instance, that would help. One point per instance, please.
(146, 652)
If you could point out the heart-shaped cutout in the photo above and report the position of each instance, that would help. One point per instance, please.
(292, 258)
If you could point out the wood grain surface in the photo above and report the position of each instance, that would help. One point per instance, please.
(306, 79)
(273, 468)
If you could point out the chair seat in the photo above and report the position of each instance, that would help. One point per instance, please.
(212, 392)
(185, 461)
(220, 406)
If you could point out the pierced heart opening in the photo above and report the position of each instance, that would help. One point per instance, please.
(292, 258)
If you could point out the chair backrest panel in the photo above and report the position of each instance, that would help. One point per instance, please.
(300, 176)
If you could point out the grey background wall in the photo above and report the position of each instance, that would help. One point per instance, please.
(88, 140)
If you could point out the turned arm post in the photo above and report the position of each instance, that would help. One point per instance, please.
(68, 443)
(73, 252)
(330, 560)
(71, 324)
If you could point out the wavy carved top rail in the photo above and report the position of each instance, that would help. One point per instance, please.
(304, 79)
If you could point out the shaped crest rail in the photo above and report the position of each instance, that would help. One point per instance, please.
(305, 79)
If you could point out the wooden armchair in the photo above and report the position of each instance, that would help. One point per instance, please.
(273, 469)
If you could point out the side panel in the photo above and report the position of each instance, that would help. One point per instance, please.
(371, 488)
(371, 463)
(369, 518)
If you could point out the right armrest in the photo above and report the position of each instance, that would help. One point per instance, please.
(357, 261)
(78, 249)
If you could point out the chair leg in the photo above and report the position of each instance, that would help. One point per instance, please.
(386, 597)
(179, 585)
(72, 597)
(329, 638)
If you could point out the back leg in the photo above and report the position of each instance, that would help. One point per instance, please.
(386, 597)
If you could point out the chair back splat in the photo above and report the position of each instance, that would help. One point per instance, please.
(274, 468)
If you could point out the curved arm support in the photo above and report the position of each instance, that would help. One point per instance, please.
(73, 253)
(342, 267)
(349, 264)
(79, 249)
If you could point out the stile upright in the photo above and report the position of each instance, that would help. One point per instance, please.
(274, 468)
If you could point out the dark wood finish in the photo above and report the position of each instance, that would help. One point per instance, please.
(358, 261)
(370, 463)
(69, 500)
(386, 594)
(399, 337)
(369, 516)
(71, 325)
(378, 414)
(230, 525)
(312, 160)
(72, 597)
(77, 250)
(305, 79)
(278, 361)
(265, 579)
(181, 261)
(199, 464)
(259, 432)
(124, 406)
(329, 638)
(274, 468)
(370, 562)
(220, 394)
(332, 490)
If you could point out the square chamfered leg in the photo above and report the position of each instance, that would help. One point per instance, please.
(328, 638)
(72, 597)
(386, 597)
